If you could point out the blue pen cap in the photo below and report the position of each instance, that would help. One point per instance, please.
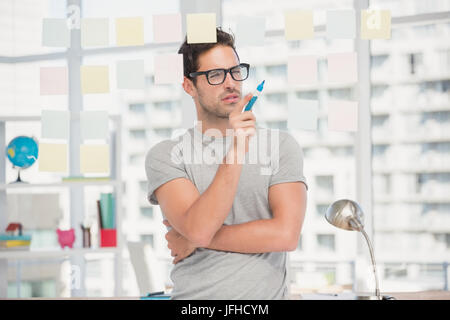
(261, 86)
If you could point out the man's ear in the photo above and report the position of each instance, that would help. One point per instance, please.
(189, 87)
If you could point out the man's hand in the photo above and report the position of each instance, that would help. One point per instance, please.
(179, 246)
(243, 124)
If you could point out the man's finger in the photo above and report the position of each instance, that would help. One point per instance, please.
(241, 104)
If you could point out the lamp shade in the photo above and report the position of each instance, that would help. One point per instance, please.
(345, 214)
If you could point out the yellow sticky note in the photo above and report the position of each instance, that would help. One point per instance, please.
(52, 157)
(201, 28)
(375, 24)
(130, 31)
(94, 79)
(298, 25)
(94, 158)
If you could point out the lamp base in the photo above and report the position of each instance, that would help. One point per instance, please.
(383, 297)
(343, 296)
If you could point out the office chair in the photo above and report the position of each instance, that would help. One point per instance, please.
(147, 268)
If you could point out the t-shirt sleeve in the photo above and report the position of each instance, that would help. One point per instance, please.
(290, 162)
(162, 164)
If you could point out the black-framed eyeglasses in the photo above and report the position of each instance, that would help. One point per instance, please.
(218, 76)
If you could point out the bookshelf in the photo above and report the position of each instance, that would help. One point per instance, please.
(76, 254)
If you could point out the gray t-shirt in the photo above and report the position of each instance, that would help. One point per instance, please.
(274, 157)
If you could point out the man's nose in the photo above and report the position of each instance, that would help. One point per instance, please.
(229, 82)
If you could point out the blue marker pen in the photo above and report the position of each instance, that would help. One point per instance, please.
(250, 104)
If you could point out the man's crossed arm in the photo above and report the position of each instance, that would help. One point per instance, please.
(287, 202)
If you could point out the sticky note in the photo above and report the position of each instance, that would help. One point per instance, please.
(94, 79)
(130, 31)
(201, 28)
(341, 24)
(303, 114)
(250, 31)
(130, 74)
(53, 80)
(94, 158)
(55, 124)
(343, 115)
(298, 25)
(343, 67)
(375, 24)
(55, 33)
(94, 125)
(52, 157)
(168, 68)
(302, 69)
(167, 28)
(94, 32)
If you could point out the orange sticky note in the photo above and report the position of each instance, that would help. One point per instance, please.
(130, 31)
(168, 68)
(52, 157)
(54, 80)
(94, 158)
(343, 115)
(302, 69)
(167, 28)
(375, 24)
(298, 25)
(201, 28)
(343, 67)
(94, 79)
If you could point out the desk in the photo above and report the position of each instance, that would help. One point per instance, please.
(421, 295)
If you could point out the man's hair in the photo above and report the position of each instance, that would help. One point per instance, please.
(191, 51)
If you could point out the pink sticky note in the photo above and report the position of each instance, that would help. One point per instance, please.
(54, 80)
(167, 28)
(342, 67)
(302, 69)
(343, 115)
(168, 68)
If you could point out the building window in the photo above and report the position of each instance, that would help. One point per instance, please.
(281, 125)
(165, 105)
(137, 107)
(277, 98)
(326, 242)
(300, 243)
(308, 95)
(321, 209)
(148, 239)
(325, 184)
(139, 134)
(163, 132)
(277, 70)
(147, 212)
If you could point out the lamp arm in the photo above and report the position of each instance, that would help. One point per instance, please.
(374, 265)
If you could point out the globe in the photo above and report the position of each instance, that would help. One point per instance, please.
(22, 152)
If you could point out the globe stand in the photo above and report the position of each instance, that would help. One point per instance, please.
(18, 180)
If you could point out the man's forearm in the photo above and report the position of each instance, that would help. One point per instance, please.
(258, 236)
(209, 211)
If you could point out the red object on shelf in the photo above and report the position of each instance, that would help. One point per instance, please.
(66, 238)
(108, 237)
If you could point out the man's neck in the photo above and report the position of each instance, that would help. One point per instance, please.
(219, 125)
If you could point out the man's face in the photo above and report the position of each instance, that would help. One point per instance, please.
(217, 100)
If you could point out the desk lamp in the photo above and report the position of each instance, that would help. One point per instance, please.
(347, 215)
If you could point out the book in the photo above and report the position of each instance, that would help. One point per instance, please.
(7, 237)
(84, 179)
(14, 243)
(107, 210)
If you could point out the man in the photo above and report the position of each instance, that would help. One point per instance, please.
(231, 222)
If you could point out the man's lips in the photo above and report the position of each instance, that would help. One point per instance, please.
(231, 98)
